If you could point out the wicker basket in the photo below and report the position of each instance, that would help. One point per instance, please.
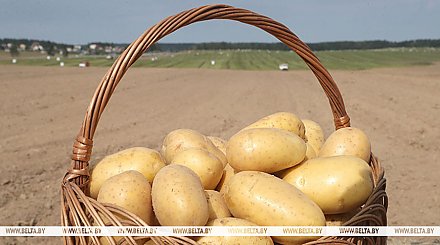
(77, 209)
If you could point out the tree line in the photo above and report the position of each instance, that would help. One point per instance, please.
(339, 45)
(49, 47)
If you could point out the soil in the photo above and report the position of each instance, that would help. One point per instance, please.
(42, 109)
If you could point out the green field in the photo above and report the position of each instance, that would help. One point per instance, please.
(251, 59)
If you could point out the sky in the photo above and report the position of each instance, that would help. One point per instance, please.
(122, 21)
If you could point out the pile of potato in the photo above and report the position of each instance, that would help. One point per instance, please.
(277, 171)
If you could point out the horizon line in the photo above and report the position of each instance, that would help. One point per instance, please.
(127, 43)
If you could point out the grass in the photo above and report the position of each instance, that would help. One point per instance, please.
(253, 60)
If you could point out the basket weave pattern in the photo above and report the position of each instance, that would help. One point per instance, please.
(77, 209)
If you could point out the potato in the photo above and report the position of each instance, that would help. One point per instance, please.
(347, 142)
(183, 139)
(340, 219)
(131, 191)
(219, 143)
(207, 166)
(310, 154)
(216, 204)
(265, 149)
(269, 201)
(314, 134)
(233, 240)
(144, 160)
(228, 172)
(179, 198)
(337, 184)
(216, 152)
(281, 120)
(179, 140)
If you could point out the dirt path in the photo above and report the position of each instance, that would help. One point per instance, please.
(42, 109)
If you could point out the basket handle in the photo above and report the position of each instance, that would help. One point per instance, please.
(82, 147)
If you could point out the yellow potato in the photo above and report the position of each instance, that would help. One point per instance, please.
(219, 143)
(216, 204)
(310, 154)
(265, 149)
(269, 201)
(180, 140)
(207, 166)
(228, 172)
(216, 152)
(233, 240)
(131, 191)
(281, 120)
(337, 184)
(179, 198)
(347, 142)
(339, 219)
(183, 139)
(144, 160)
(314, 134)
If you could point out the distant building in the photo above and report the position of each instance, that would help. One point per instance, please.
(36, 46)
(118, 49)
(76, 48)
(22, 47)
